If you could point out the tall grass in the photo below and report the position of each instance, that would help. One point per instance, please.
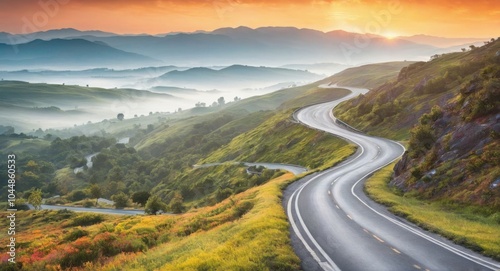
(259, 240)
(464, 226)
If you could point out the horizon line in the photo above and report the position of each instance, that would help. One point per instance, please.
(232, 27)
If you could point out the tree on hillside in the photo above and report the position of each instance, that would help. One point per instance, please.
(95, 192)
(154, 205)
(176, 203)
(121, 200)
(35, 199)
(120, 116)
(141, 197)
(221, 101)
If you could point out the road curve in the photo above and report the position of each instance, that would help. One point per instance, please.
(336, 227)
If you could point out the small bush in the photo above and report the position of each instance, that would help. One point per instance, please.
(129, 244)
(223, 194)
(88, 204)
(105, 243)
(86, 220)
(78, 258)
(243, 208)
(77, 195)
(75, 234)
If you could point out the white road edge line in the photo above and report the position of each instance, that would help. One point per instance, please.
(456, 251)
(332, 266)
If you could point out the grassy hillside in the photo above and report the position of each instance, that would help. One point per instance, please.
(43, 95)
(447, 109)
(368, 76)
(286, 142)
(12, 144)
(248, 231)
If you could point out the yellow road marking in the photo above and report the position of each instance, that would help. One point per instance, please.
(395, 250)
(416, 266)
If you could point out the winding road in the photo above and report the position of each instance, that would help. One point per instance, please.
(335, 226)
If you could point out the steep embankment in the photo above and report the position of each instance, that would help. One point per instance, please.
(448, 109)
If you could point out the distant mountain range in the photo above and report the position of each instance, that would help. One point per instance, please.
(269, 46)
(442, 42)
(64, 33)
(319, 68)
(232, 77)
(71, 53)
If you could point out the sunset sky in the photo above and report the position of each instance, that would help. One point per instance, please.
(448, 18)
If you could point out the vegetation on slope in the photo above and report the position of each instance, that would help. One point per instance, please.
(286, 142)
(248, 231)
(368, 76)
(470, 226)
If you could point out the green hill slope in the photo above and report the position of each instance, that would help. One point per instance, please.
(368, 76)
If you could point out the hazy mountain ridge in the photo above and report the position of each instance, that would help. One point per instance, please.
(441, 42)
(100, 77)
(231, 77)
(65, 33)
(319, 68)
(35, 104)
(73, 53)
(272, 46)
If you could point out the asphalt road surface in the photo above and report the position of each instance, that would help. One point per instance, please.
(336, 227)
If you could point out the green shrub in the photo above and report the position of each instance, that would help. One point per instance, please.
(121, 200)
(243, 208)
(78, 258)
(77, 195)
(75, 234)
(223, 194)
(86, 220)
(88, 204)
